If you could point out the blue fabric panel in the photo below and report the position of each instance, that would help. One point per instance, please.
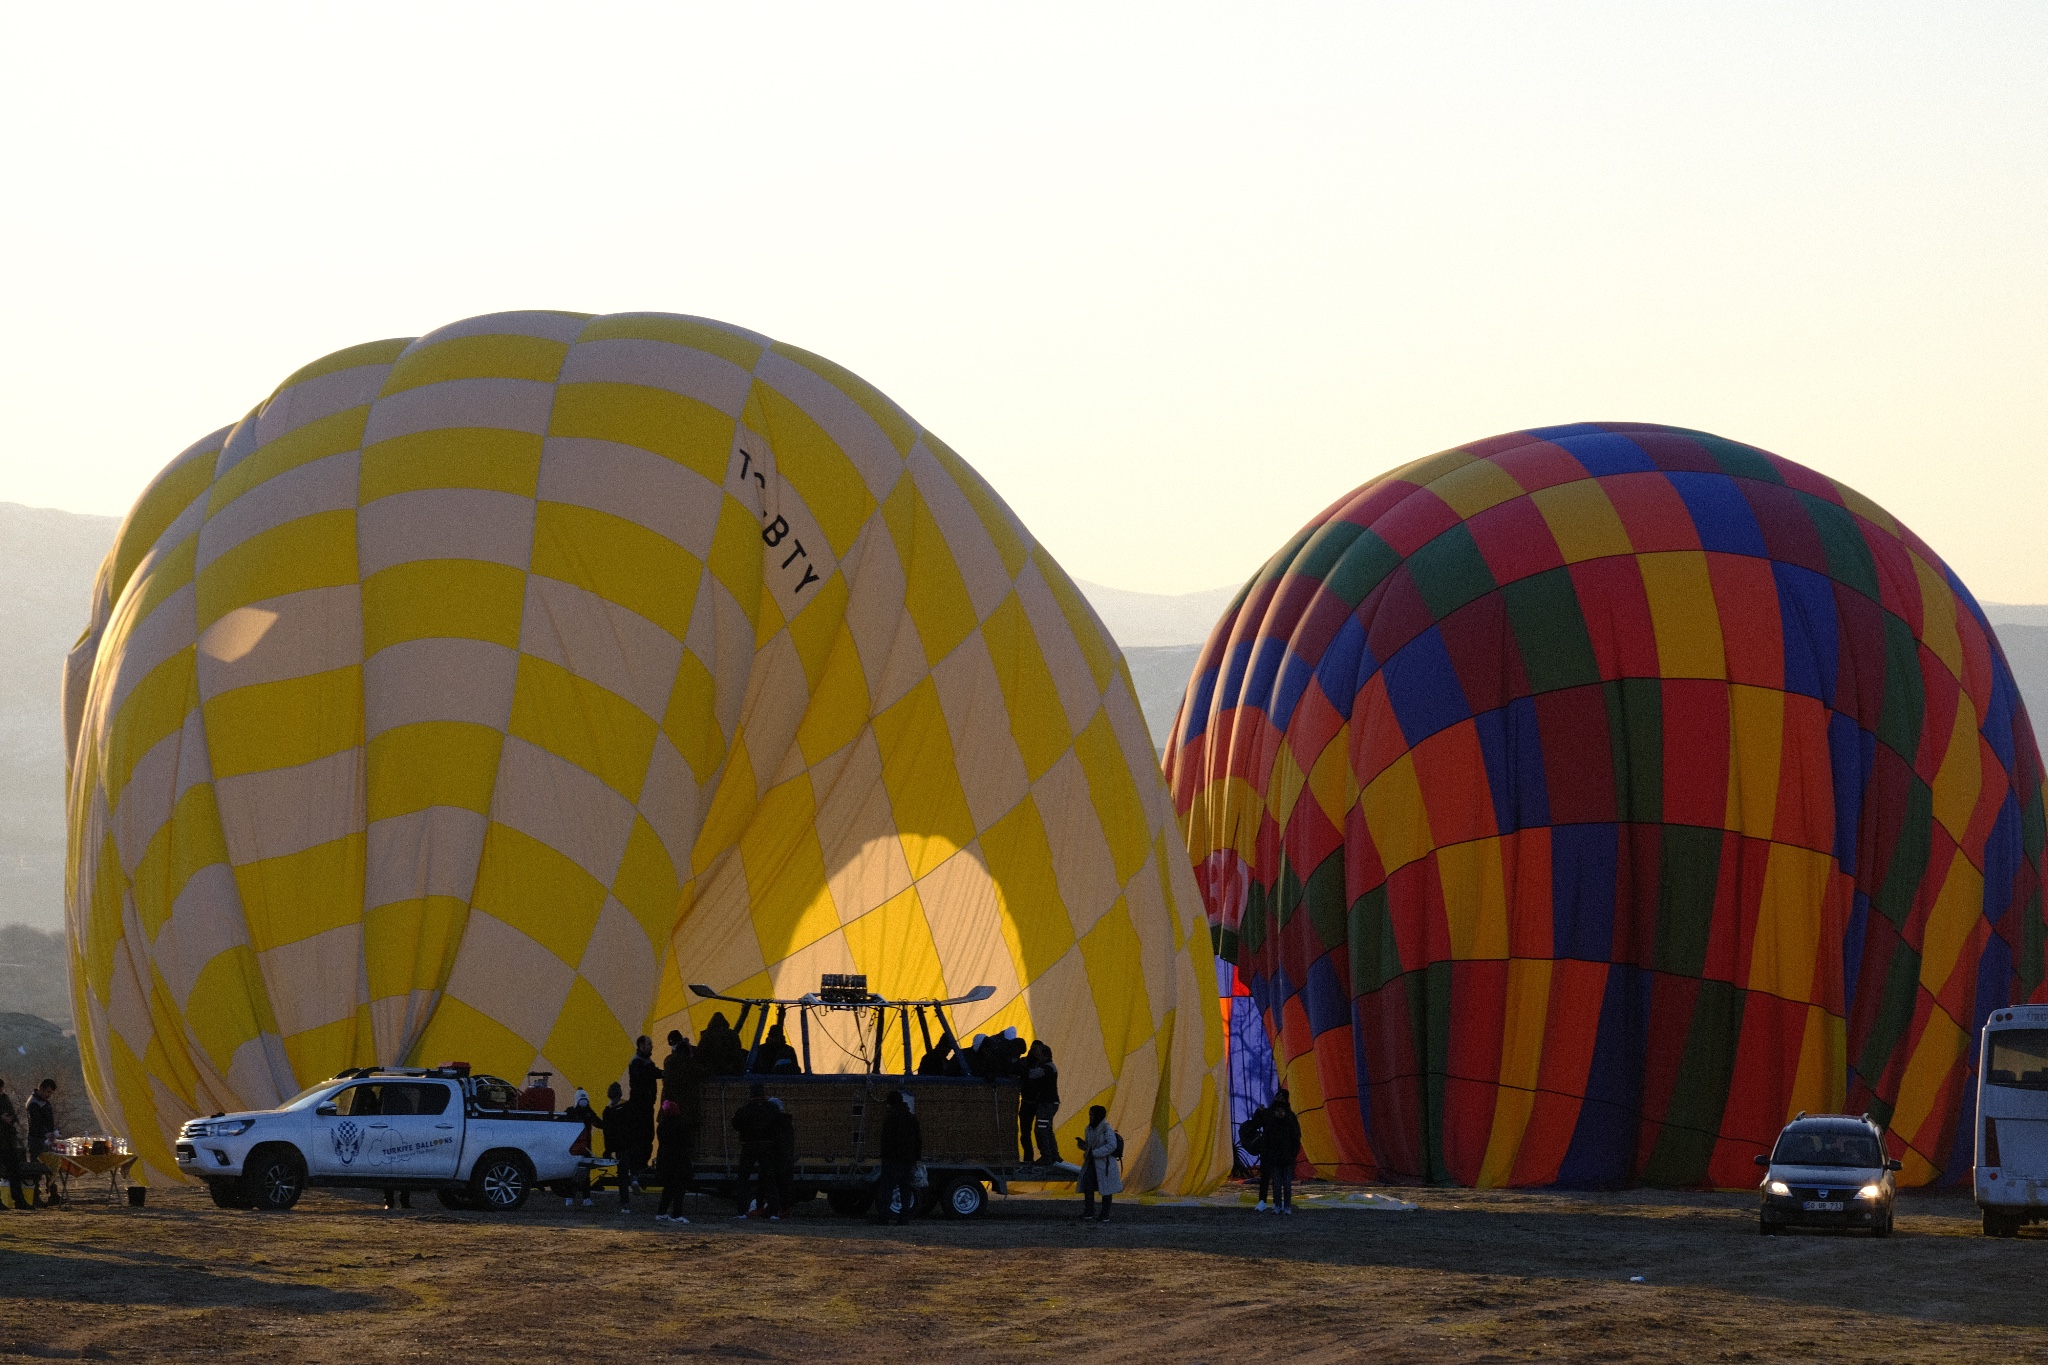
(1852, 950)
(1513, 752)
(1998, 720)
(1720, 514)
(1602, 1154)
(1264, 668)
(1295, 673)
(1849, 756)
(1345, 666)
(1203, 696)
(1608, 452)
(1806, 606)
(1582, 876)
(2003, 849)
(1424, 688)
(1325, 1000)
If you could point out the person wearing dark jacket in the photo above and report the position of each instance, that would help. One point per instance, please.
(1251, 1136)
(671, 1162)
(939, 1056)
(42, 1130)
(10, 1147)
(643, 1082)
(902, 1149)
(674, 1065)
(719, 1049)
(755, 1122)
(785, 1155)
(1279, 1148)
(617, 1123)
(775, 1057)
(1038, 1103)
(584, 1146)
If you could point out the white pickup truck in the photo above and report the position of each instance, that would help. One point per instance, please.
(438, 1129)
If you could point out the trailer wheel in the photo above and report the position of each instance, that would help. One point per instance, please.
(850, 1203)
(965, 1199)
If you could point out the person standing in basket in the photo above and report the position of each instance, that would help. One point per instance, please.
(1102, 1151)
(1279, 1149)
(902, 1149)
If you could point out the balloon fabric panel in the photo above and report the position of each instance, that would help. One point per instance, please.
(1578, 805)
(478, 691)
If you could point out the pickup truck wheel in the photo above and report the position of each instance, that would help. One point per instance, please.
(964, 1199)
(455, 1199)
(850, 1203)
(1999, 1223)
(227, 1194)
(274, 1177)
(500, 1182)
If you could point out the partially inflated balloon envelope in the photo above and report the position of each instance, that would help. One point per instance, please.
(477, 692)
(1581, 804)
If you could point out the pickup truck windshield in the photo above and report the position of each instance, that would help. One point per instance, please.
(2019, 1058)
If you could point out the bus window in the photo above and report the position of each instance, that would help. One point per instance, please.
(2019, 1058)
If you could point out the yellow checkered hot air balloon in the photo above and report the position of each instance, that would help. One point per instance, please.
(477, 691)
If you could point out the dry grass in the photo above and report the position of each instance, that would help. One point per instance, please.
(1470, 1276)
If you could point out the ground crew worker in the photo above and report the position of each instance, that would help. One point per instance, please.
(902, 1149)
(1039, 1103)
(755, 1122)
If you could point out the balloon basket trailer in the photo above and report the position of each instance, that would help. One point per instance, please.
(969, 1124)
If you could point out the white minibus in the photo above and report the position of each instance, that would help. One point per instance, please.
(2012, 1119)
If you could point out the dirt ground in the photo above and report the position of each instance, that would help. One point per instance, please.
(1466, 1276)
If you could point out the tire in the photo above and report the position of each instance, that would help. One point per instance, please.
(850, 1203)
(273, 1178)
(455, 1199)
(228, 1194)
(964, 1199)
(1998, 1223)
(500, 1182)
(1763, 1227)
(1882, 1228)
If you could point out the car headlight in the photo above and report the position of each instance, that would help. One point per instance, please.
(225, 1128)
(1780, 1187)
(1869, 1192)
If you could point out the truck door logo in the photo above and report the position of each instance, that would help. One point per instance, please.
(348, 1140)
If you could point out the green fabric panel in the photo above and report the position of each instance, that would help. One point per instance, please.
(1550, 631)
(1437, 1014)
(1692, 1121)
(1450, 571)
(1364, 566)
(1849, 557)
(1894, 899)
(1323, 896)
(1880, 1110)
(1738, 461)
(1375, 955)
(1326, 548)
(2033, 826)
(1688, 876)
(1286, 893)
(1905, 691)
(1282, 564)
(1251, 926)
(2033, 935)
(1635, 735)
(1894, 1014)
(1224, 942)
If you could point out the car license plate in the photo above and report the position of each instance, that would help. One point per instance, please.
(1822, 1206)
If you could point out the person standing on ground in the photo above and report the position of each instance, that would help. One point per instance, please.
(1279, 1148)
(581, 1148)
(1251, 1137)
(671, 1163)
(10, 1148)
(1102, 1173)
(643, 1082)
(42, 1131)
(754, 1122)
(902, 1149)
(672, 1065)
(785, 1157)
(617, 1124)
(1039, 1103)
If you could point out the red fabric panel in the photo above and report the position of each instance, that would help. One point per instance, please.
(1576, 991)
(1525, 867)
(1578, 762)
(1651, 512)
(1472, 1087)
(1452, 772)
(1515, 540)
(1696, 730)
(1617, 614)
(1752, 629)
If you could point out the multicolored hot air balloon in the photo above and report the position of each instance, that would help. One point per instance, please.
(1580, 804)
(478, 691)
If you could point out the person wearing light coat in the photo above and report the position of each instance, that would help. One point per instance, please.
(1101, 1172)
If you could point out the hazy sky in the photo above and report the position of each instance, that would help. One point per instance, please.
(1172, 277)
